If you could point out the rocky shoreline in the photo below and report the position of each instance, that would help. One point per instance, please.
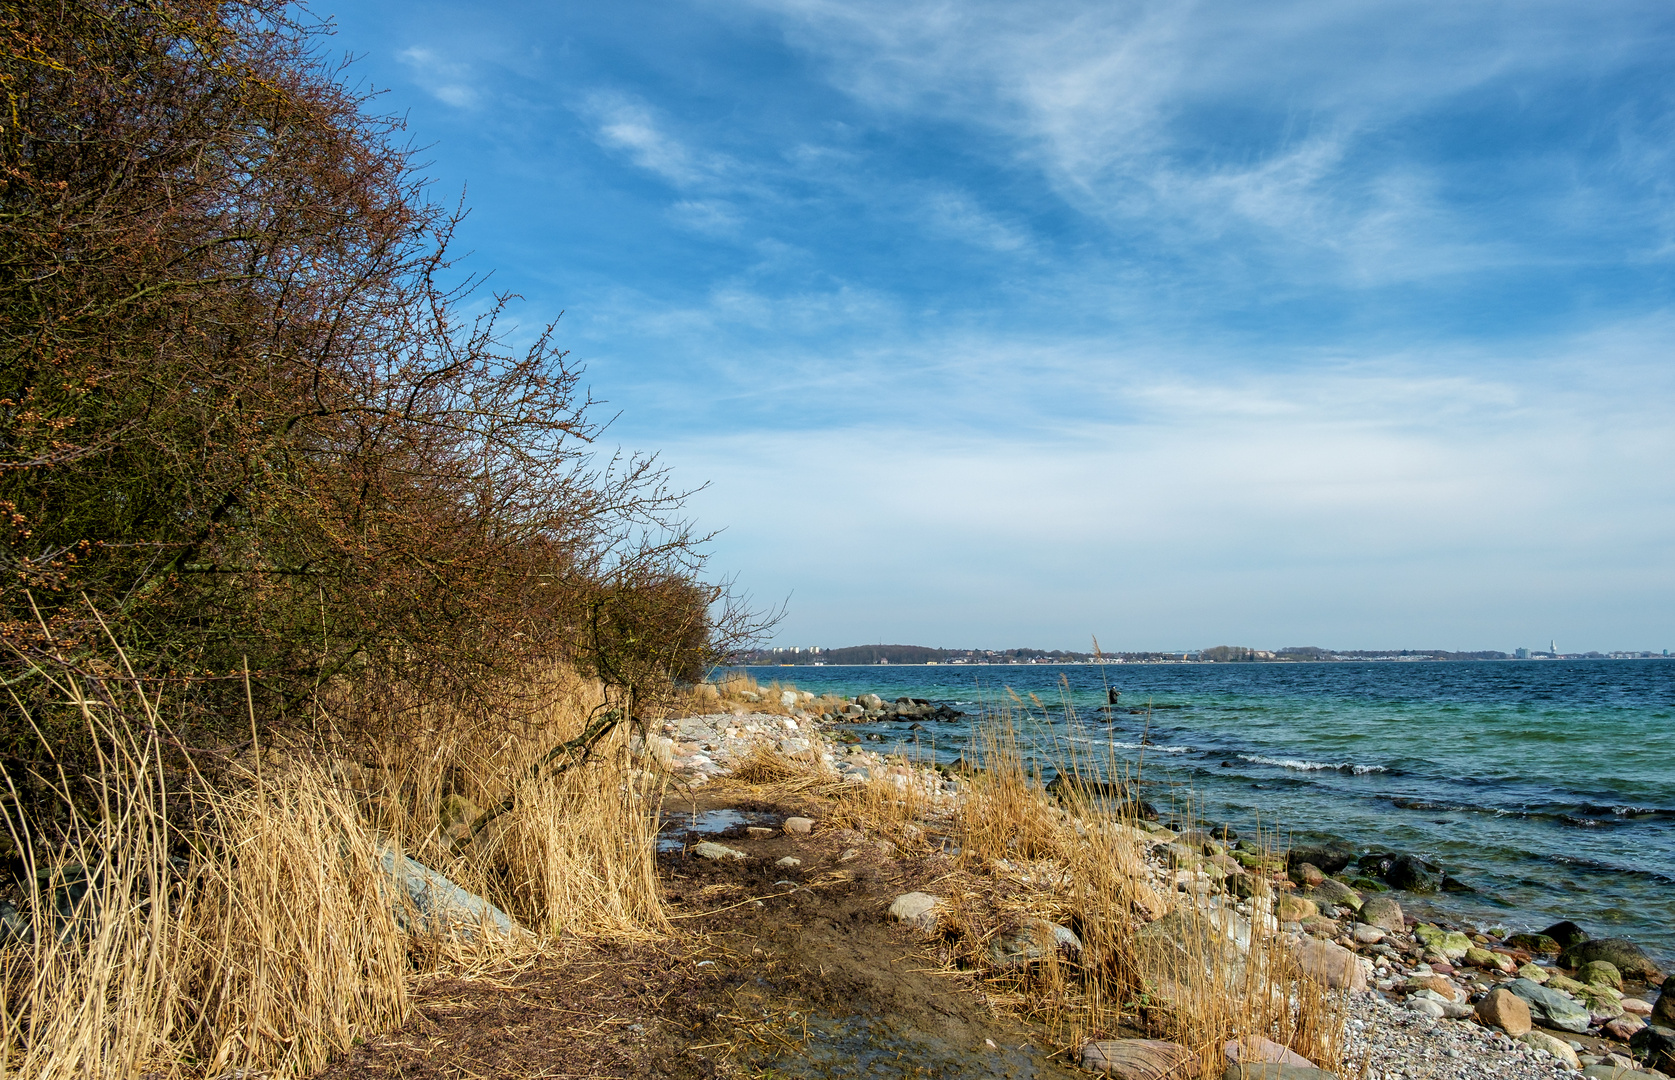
(1427, 998)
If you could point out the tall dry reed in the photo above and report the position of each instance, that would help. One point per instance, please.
(182, 925)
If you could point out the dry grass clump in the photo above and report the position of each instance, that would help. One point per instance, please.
(1154, 960)
(183, 925)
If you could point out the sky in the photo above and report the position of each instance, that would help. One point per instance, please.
(1172, 324)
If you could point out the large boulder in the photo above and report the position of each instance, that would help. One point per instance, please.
(427, 902)
(1554, 1008)
(1621, 953)
(1663, 1009)
(1383, 912)
(1450, 943)
(1292, 908)
(1137, 1059)
(1330, 857)
(1414, 874)
(1656, 1045)
(1503, 1009)
(1333, 965)
(1565, 933)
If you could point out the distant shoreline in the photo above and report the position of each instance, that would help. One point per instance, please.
(1210, 663)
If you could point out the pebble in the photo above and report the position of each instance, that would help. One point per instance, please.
(1398, 1044)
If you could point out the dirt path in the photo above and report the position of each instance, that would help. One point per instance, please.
(772, 970)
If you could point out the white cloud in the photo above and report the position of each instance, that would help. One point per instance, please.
(625, 123)
(449, 81)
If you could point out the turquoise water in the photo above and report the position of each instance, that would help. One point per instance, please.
(1548, 786)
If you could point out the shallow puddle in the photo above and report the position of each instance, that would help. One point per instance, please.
(841, 1048)
(679, 827)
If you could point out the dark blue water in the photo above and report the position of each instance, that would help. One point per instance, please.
(1549, 786)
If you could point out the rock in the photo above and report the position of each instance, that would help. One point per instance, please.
(1439, 986)
(1032, 944)
(1276, 1072)
(1137, 1059)
(799, 826)
(430, 903)
(1330, 892)
(758, 832)
(1663, 1010)
(1483, 958)
(787, 698)
(1600, 973)
(1503, 1009)
(790, 862)
(1540, 944)
(1307, 874)
(1383, 912)
(1292, 908)
(1623, 954)
(1254, 1049)
(916, 909)
(1565, 933)
(1551, 1007)
(1638, 1007)
(1414, 874)
(1427, 1006)
(1368, 935)
(1624, 1026)
(1330, 964)
(709, 849)
(1615, 1072)
(1534, 973)
(1328, 857)
(870, 701)
(1450, 943)
(1656, 1044)
(1557, 1047)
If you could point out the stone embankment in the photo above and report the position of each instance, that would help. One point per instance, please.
(1425, 998)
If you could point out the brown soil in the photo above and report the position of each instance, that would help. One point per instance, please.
(759, 978)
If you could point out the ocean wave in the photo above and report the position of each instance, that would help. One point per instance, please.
(1151, 747)
(1313, 766)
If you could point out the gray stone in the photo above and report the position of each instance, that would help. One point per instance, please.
(1555, 1008)
(1138, 1059)
(790, 862)
(428, 902)
(870, 702)
(1383, 912)
(1255, 1050)
(916, 909)
(1657, 1045)
(1615, 1072)
(1269, 1071)
(799, 826)
(1032, 944)
(1331, 891)
(1330, 964)
(1428, 1006)
(1557, 1047)
(709, 849)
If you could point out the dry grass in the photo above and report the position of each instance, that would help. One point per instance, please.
(738, 691)
(187, 928)
(1154, 959)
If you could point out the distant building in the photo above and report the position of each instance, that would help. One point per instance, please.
(1521, 654)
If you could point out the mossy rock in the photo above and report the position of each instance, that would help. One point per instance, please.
(1600, 973)
(1540, 944)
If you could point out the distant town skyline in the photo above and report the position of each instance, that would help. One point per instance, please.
(1038, 320)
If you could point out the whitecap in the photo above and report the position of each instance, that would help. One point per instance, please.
(1313, 766)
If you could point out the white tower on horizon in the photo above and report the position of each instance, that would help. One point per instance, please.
(1553, 646)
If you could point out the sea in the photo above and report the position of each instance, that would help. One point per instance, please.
(1546, 786)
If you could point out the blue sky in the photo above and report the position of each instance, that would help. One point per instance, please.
(1176, 323)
